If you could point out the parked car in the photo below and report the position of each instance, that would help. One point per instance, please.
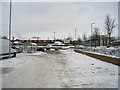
(4, 49)
(19, 48)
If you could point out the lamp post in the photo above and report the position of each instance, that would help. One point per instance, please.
(91, 35)
(10, 28)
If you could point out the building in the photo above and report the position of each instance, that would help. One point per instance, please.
(29, 47)
(92, 42)
(38, 42)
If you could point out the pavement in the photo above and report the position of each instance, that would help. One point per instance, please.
(57, 69)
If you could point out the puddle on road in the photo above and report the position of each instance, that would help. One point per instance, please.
(6, 70)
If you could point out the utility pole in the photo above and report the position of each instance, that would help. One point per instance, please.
(10, 29)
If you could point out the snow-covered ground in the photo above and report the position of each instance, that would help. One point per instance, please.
(111, 51)
(58, 69)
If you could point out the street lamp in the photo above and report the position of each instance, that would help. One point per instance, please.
(91, 35)
(10, 28)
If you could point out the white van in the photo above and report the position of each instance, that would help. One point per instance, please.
(4, 49)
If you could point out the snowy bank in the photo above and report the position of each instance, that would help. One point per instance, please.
(106, 58)
(110, 52)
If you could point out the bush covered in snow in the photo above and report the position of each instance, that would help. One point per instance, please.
(112, 51)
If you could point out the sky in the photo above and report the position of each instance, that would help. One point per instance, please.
(42, 19)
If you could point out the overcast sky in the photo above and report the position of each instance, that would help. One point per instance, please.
(40, 19)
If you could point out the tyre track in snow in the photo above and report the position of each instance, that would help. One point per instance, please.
(65, 74)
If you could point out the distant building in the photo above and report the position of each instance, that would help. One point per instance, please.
(92, 42)
(38, 42)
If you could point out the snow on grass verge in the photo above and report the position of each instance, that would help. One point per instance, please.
(111, 52)
(88, 72)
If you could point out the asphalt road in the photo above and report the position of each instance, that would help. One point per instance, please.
(58, 69)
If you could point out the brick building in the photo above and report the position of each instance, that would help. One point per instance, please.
(38, 42)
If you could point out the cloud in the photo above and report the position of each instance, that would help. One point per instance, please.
(42, 19)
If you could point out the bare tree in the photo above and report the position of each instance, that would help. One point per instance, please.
(84, 37)
(79, 40)
(109, 26)
(96, 35)
(96, 31)
(70, 38)
(103, 39)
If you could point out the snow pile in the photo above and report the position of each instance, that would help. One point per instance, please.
(113, 52)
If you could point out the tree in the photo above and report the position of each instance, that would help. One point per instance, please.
(79, 41)
(84, 37)
(96, 35)
(69, 38)
(96, 31)
(103, 39)
(109, 26)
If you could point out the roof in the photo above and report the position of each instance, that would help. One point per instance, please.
(28, 43)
